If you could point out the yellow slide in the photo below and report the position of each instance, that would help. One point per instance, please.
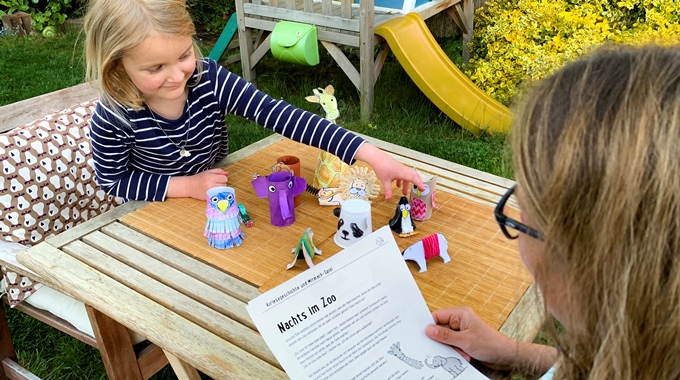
(439, 78)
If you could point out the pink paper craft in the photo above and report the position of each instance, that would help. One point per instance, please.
(280, 188)
(223, 228)
(431, 246)
(422, 202)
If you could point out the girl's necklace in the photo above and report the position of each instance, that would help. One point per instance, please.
(181, 146)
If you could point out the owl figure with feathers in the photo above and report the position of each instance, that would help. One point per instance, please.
(223, 228)
(422, 202)
(401, 222)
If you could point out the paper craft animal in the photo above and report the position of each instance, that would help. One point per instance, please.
(329, 168)
(359, 183)
(326, 197)
(223, 228)
(422, 202)
(305, 249)
(354, 222)
(280, 188)
(401, 222)
(431, 246)
(326, 98)
(243, 216)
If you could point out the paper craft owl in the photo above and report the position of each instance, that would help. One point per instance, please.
(422, 202)
(401, 222)
(280, 188)
(223, 228)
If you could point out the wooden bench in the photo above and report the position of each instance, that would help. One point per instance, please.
(121, 359)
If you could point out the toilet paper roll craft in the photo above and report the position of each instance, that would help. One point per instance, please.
(401, 222)
(223, 228)
(431, 246)
(329, 168)
(359, 182)
(243, 215)
(326, 197)
(422, 202)
(354, 222)
(305, 249)
(280, 188)
(290, 164)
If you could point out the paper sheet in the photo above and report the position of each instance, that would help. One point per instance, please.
(357, 315)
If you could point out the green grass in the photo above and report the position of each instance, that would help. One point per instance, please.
(33, 66)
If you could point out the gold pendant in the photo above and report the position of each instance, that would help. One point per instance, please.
(184, 153)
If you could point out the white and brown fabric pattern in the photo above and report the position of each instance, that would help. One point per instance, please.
(47, 184)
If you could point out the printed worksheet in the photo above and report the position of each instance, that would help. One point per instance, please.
(357, 315)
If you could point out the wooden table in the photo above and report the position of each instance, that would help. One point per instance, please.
(147, 265)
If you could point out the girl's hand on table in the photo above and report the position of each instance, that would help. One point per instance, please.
(197, 185)
(473, 338)
(388, 169)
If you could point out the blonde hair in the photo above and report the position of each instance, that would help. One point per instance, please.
(597, 162)
(115, 27)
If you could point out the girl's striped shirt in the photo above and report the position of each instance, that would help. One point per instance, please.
(135, 158)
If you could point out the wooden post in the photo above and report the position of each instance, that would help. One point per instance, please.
(366, 67)
(6, 345)
(21, 21)
(469, 9)
(245, 40)
(115, 346)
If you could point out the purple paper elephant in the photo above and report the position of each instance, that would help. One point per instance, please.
(280, 188)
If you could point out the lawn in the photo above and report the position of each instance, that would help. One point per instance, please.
(34, 65)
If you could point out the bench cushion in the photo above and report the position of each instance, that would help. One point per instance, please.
(47, 184)
(48, 299)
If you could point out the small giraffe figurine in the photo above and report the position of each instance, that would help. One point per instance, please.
(325, 97)
(330, 168)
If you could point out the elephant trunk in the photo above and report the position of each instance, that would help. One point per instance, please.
(283, 204)
(430, 365)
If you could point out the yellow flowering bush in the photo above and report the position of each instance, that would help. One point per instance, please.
(519, 41)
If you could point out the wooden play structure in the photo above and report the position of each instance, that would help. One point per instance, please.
(339, 23)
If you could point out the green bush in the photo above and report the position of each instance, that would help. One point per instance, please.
(44, 12)
(519, 41)
(212, 14)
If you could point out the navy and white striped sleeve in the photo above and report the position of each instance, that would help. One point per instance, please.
(239, 97)
(111, 149)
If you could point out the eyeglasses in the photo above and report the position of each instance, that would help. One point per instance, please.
(505, 221)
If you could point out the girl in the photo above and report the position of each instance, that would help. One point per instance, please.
(159, 126)
(596, 149)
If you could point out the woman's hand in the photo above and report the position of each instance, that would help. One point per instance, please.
(461, 328)
(388, 169)
(197, 185)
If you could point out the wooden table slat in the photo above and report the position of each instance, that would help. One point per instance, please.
(181, 304)
(181, 261)
(158, 271)
(214, 355)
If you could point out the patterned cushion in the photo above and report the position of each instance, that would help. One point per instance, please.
(47, 183)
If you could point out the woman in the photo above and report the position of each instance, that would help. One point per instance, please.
(596, 151)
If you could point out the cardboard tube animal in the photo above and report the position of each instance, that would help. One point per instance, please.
(222, 229)
(280, 188)
(431, 246)
(330, 168)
